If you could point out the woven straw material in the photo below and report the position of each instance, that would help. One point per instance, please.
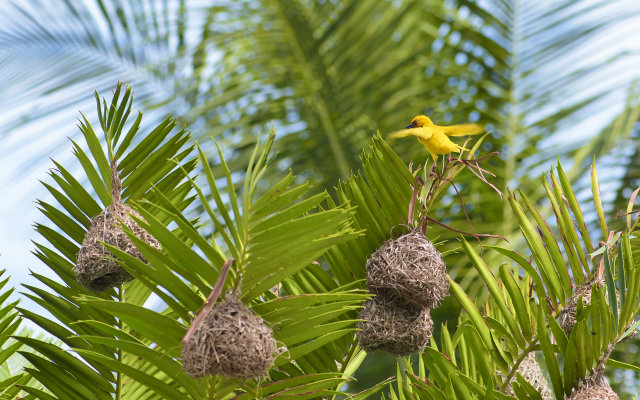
(531, 372)
(393, 327)
(96, 268)
(596, 387)
(567, 316)
(410, 269)
(232, 341)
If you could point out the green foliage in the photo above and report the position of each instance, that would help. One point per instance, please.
(526, 299)
(126, 343)
(118, 345)
(299, 263)
(329, 74)
(381, 199)
(82, 322)
(13, 374)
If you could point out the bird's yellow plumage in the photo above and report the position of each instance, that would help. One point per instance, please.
(436, 138)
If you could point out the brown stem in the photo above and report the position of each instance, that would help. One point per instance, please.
(621, 213)
(433, 189)
(514, 369)
(603, 360)
(480, 175)
(423, 226)
(116, 184)
(439, 181)
(210, 302)
(479, 159)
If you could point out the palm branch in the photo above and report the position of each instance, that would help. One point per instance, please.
(528, 299)
(120, 347)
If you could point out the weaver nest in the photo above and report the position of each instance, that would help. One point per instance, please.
(410, 269)
(96, 268)
(391, 326)
(595, 387)
(531, 372)
(231, 341)
(567, 316)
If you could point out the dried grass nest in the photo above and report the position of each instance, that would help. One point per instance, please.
(567, 316)
(531, 372)
(96, 268)
(394, 327)
(232, 341)
(410, 269)
(595, 387)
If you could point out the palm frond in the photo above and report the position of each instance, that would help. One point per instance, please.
(276, 234)
(84, 377)
(12, 374)
(274, 238)
(527, 307)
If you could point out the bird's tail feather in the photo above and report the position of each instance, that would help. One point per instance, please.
(464, 130)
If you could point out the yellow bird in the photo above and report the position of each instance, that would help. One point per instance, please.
(434, 137)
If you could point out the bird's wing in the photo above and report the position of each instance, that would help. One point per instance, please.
(462, 129)
(423, 133)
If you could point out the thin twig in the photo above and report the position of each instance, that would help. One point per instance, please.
(442, 224)
(438, 180)
(482, 178)
(620, 213)
(514, 369)
(480, 159)
(412, 203)
(464, 209)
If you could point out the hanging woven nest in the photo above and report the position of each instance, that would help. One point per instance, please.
(410, 269)
(567, 316)
(596, 387)
(232, 341)
(394, 327)
(96, 268)
(531, 372)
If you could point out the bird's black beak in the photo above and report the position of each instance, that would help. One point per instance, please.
(412, 125)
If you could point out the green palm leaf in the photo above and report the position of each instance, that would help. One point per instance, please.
(276, 238)
(12, 375)
(69, 220)
(121, 347)
(520, 315)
